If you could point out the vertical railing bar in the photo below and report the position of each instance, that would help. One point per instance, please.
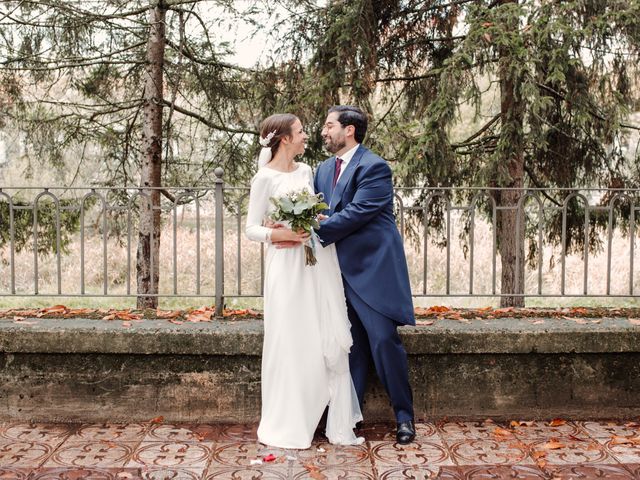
(563, 251)
(540, 243)
(494, 267)
(219, 235)
(632, 228)
(197, 244)
(425, 243)
(12, 265)
(609, 245)
(152, 265)
(401, 212)
(129, 244)
(239, 244)
(105, 236)
(472, 226)
(35, 244)
(586, 248)
(82, 289)
(448, 284)
(58, 245)
(175, 244)
(516, 282)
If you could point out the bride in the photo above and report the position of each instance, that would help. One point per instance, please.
(305, 358)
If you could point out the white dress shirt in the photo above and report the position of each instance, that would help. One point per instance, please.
(346, 158)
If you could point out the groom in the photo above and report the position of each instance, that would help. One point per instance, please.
(357, 185)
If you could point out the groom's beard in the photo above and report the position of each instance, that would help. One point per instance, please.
(332, 146)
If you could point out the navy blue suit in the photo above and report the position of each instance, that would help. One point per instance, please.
(362, 225)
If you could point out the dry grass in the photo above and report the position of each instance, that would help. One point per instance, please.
(249, 284)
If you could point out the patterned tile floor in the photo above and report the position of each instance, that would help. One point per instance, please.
(446, 450)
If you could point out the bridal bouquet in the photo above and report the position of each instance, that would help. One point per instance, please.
(300, 208)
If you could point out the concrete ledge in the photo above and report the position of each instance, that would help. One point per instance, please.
(95, 370)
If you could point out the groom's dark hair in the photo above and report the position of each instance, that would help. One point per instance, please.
(349, 115)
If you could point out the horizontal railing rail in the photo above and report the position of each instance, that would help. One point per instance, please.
(81, 242)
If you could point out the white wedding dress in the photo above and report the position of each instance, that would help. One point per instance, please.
(305, 357)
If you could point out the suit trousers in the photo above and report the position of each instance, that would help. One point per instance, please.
(375, 338)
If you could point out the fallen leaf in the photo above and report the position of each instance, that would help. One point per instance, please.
(159, 419)
(203, 314)
(79, 311)
(521, 423)
(620, 440)
(536, 454)
(502, 432)
(557, 422)
(314, 472)
(269, 458)
(553, 445)
(503, 310)
(632, 425)
(167, 313)
(177, 322)
(126, 324)
(579, 311)
(536, 322)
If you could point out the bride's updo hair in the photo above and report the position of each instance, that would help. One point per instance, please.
(279, 125)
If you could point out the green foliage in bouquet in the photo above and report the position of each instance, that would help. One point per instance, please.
(300, 209)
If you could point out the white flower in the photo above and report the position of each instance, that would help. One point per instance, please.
(266, 140)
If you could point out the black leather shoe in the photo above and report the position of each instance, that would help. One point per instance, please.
(406, 432)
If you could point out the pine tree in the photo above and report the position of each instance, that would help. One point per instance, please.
(566, 73)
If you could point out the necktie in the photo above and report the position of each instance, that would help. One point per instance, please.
(337, 173)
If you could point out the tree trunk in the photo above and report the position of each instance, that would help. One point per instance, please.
(511, 238)
(148, 255)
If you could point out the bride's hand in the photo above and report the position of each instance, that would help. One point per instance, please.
(283, 237)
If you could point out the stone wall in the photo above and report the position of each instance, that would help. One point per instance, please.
(94, 370)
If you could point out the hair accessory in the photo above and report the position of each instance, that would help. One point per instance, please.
(267, 140)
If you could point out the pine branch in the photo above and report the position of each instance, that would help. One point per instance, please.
(593, 113)
(74, 65)
(207, 122)
(469, 141)
(186, 51)
(73, 59)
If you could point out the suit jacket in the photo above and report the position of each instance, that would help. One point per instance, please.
(362, 225)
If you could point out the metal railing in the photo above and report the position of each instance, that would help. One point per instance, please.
(80, 242)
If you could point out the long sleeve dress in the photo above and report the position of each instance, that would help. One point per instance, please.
(305, 357)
